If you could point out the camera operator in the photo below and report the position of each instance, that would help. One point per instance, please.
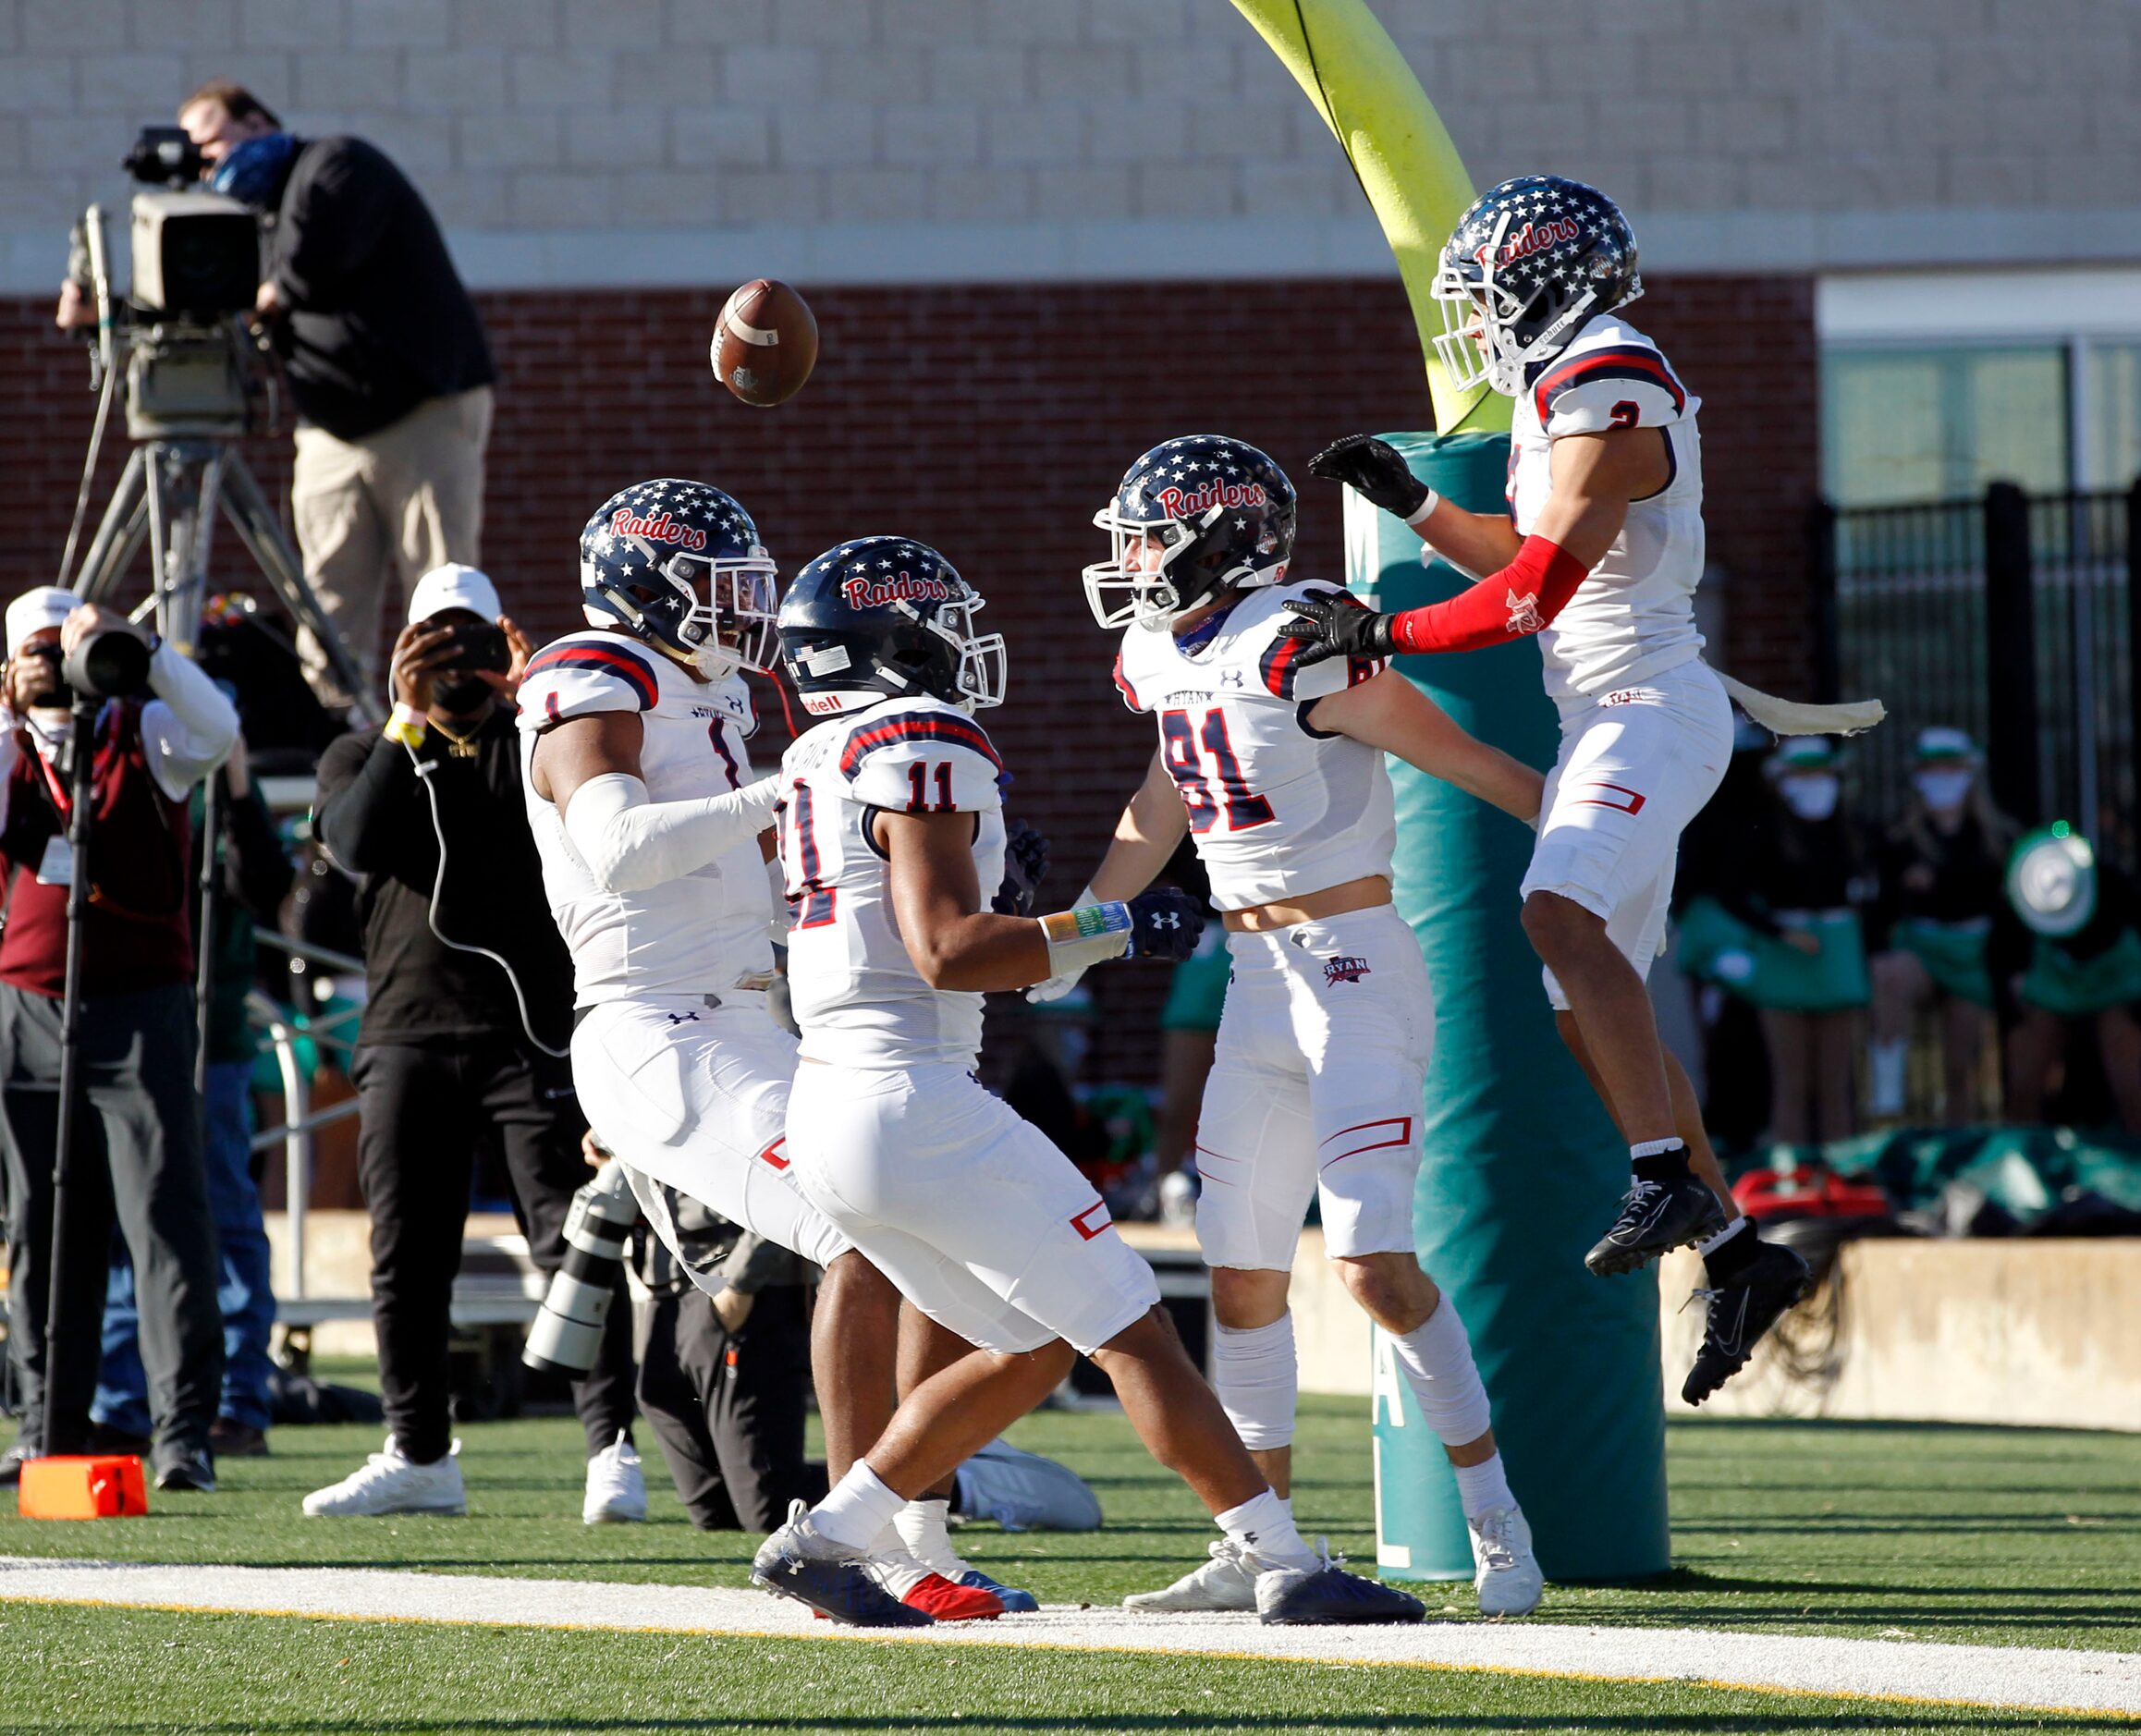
(383, 351)
(140, 1155)
(465, 1030)
(723, 1378)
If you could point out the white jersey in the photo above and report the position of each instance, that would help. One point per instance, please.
(858, 999)
(1276, 808)
(1633, 617)
(702, 932)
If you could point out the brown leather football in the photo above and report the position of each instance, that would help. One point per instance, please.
(765, 343)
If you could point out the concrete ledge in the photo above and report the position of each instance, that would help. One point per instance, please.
(2002, 1332)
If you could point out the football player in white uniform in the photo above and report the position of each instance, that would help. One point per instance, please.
(645, 809)
(891, 829)
(1273, 766)
(1599, 554)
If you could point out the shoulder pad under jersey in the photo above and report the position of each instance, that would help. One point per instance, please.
(1279, 669)
(585, 673)
(921, 760)
(1626, 384)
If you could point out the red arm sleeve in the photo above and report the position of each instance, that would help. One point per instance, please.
(1521, 598)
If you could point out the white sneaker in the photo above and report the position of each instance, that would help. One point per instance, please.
(1506, 1573)
(390, 1484)
(1023, 1491)
(1226, 1582)
(617, 1493)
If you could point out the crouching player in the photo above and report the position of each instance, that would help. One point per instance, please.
(891, 827)
(1274, 767)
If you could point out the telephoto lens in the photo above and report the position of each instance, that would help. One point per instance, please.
(108, 664)
(568, 1333)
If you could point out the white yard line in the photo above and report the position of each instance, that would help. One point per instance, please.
(2041, 1679)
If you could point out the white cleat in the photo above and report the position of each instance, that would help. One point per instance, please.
(617, 1493)
(390, 1484)
(1226, 1582)
(1506, 1573)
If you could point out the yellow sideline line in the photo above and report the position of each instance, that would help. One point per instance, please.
(836, 1633)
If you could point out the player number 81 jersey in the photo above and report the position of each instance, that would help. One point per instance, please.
(1276, 808)
(858, 999)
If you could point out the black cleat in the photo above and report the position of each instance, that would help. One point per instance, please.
(1742, 1308)
(1655, 1215)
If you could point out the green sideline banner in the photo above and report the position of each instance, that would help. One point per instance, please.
(1523, 1168)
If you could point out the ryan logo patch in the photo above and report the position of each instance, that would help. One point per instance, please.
(1344, 969)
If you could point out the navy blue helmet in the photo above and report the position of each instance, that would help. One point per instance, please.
(1192, 518)
(1529, 261)
(679, 565)
(885, 616)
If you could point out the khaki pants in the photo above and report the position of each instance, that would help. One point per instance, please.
(407, 498)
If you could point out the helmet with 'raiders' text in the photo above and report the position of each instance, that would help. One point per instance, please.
(1192, 518)
(679, 565)
(1529, 261)
(886, 618)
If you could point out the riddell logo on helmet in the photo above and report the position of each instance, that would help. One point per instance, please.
(1175, 503)
(903, 587)
(661, 528)
(1532, 239)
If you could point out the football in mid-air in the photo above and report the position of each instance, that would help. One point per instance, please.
(765, 343)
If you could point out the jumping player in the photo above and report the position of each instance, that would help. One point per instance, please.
(1599, 554)
(641, 796)
(891, 827)
(1273, 766)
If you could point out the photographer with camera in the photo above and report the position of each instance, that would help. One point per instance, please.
(464, 1037)
(383, 351)
(162, 727)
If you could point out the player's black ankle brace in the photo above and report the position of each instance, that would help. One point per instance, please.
(1734, 1255)
(1663, 1167)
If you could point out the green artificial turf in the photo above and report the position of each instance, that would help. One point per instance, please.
(141, 1673)
(1999, 1536)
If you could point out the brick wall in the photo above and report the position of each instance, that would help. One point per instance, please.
(991, 423)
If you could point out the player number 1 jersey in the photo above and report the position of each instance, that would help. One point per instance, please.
(1276, 808)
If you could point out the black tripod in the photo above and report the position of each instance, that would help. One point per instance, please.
(63, 1419)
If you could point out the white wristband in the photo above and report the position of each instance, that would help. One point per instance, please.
(1419, 516)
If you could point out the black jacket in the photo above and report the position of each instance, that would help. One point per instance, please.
(377, 320)
(375, 819)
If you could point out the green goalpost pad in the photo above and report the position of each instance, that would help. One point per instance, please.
(1523, 1167)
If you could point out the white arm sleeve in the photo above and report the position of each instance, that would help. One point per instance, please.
(188, 728)
(631, 843)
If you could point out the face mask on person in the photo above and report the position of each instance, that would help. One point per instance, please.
(1811, 795)
(460, 698)
(1941, 791)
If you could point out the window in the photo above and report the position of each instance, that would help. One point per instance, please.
(2115, 415)
(1940, 424)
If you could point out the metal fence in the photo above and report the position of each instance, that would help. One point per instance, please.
(2012, 616)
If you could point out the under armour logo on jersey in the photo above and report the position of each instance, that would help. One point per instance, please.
(1523, 614)
(1233, 678)
(679, 1018)
(1346, 969)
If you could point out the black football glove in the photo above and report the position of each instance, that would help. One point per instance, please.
(1025, 866)
(1164, 923)
(1335, 625)
(1372, 467)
